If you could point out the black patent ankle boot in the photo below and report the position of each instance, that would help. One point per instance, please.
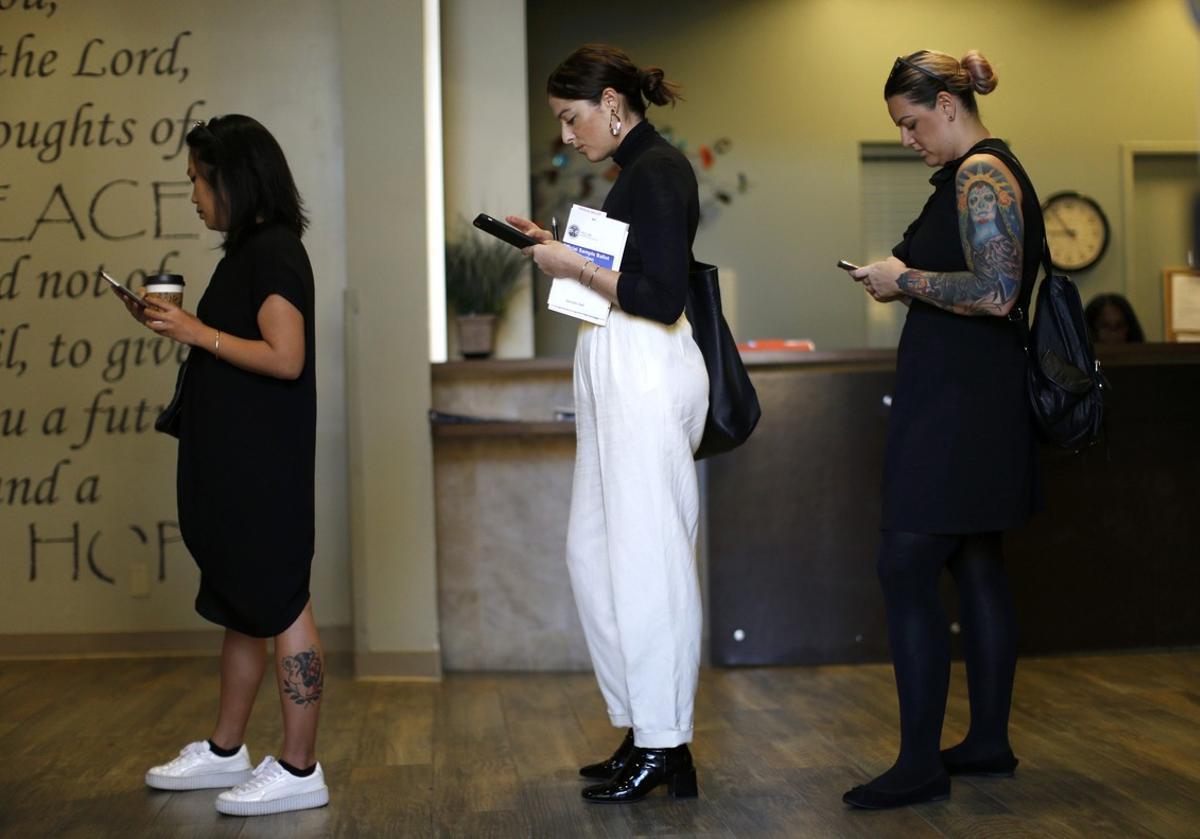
(645, 770)
(608, 768)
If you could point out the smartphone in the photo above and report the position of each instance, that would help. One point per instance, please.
(504, 232)
(124, 293)
(847, 266)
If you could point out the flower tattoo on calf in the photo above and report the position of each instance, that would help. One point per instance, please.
(304, 677)
(993, 234)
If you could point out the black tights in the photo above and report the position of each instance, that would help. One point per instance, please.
(910, 565)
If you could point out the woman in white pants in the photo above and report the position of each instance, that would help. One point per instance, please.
(641, 397)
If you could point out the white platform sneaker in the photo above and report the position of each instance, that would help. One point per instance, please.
(198, 767)
(273, 789)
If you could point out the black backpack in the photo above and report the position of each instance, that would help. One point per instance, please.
(1066, 384)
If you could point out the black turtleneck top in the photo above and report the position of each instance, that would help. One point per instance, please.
(656, 195)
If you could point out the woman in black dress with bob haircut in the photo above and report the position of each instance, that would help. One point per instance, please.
(246, 459)
(961, 459)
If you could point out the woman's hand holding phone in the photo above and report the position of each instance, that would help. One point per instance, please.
(529, 229)
(554, 259)
(136, 306)
(880, 278)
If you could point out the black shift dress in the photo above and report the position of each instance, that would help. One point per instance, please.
(247, 448)
(961, 451)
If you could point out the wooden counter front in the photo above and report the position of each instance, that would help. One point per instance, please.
(790, 521)
(1113, 560)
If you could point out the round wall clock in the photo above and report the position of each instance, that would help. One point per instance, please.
(1076, 229)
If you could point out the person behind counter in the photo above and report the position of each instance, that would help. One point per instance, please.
(247, 445)
(1111, 320)
(961, 459)
(641, 396)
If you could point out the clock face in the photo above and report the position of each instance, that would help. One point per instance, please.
(1076, 230)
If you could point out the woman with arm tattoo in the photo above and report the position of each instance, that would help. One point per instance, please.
(247, 443)
(961, 461)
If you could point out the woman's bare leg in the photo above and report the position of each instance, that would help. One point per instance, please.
(243, 661)
(300, 672)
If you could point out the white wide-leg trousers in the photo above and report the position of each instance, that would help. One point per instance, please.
(641, 396)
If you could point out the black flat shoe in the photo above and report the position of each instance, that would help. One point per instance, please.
(1000, 766)
(865, 797)
(645, 770)
(609, 768)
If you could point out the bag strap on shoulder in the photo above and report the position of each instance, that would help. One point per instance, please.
(1026, 187)
(1017, 314)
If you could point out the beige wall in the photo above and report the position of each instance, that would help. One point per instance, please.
(486, 136)
(275, 60)
(342, 85)
(1164, 188)
(343, 88)
(390, 458)
(798, 86)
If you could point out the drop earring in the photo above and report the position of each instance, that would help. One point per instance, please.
(614, 123)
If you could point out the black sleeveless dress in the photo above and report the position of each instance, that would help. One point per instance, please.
(961, 450)
(247, 448)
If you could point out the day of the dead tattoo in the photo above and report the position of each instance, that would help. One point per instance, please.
(992, 233)
(304, 677)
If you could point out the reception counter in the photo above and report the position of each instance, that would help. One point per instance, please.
(791, 519)
(502, 483)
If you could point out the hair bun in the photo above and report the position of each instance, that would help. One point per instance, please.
(983, 78)
(656, 88)
(650, 81)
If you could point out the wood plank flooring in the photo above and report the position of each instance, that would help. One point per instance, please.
(1109, 746)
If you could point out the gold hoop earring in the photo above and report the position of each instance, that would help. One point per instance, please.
(614, 129)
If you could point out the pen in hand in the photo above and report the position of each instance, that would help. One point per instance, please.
(554, 227)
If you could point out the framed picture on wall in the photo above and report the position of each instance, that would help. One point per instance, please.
(1181, 304)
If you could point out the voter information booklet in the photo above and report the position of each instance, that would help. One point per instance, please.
(594, 235)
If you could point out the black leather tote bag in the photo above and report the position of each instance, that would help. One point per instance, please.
(733, 408)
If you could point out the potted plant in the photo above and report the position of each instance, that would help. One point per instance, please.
(481, 275)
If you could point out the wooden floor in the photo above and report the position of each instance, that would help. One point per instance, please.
(1109, 746)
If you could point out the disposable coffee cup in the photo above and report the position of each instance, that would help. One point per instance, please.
(168, 287)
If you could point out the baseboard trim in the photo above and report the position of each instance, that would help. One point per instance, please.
(187, 642)
(412, 666)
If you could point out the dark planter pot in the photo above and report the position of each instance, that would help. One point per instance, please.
(476, 335)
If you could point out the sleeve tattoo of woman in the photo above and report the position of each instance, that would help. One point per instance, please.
(304, 677)
(993, 235)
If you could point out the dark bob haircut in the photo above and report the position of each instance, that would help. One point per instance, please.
(249, 175)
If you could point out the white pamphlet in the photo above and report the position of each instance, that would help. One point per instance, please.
(602, 240)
